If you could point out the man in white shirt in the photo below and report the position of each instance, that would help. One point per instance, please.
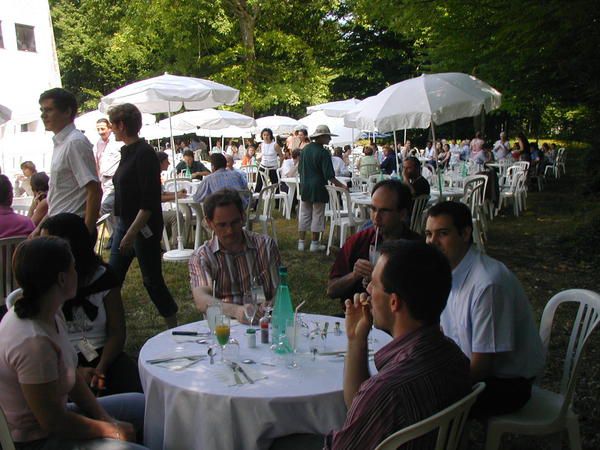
(339, 166)
(74, 184)
(488, 315)
(501, 147)
(107, 153)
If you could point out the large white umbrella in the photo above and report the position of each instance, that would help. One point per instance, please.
(169, 93)
(345, 135)
(423, 101)
(278, 124)
(156, 131)
(5, 114)
(334, 109)
(243, 132)
(211, 119)
(87, 121)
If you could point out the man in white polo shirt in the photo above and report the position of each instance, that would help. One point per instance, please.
(74, 184)
(488, 315)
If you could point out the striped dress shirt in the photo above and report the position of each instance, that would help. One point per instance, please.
(419, 374)
(232, 273)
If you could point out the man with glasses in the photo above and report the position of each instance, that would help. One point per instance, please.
(351, 271)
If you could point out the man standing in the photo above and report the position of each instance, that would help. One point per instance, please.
(74, 185)
(501, 147)
(107, 153)
(315, 170)
(419, 372)
(487, 315)
(351, 271)
(411, 171)
(228, 264)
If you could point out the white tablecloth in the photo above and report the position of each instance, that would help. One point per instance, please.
(196, 408)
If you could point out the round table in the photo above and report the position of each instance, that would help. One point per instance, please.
(198, 408)
(448, 193)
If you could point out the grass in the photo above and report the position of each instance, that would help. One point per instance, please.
(553, 246)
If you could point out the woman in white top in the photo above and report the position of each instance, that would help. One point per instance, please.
(271, 155)
(38, 364)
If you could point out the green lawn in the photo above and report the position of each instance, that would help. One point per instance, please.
(552, 247)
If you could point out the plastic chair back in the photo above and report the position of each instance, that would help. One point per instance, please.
(182, 183)
(416, 216)
(13, 297)
(7, 248)
(6, 441)
(449, 422)
(586, 321)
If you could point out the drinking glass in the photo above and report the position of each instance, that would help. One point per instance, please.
(222, 331)
(212, 311)
(250, 306)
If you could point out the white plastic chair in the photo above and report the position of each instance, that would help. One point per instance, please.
(512, 193)
(549, 412)
(12, 297)
(251, 172)
(449, 422)
(101, 227)
(474, 195)
(264, 211)
(7, 248)
(6, 441)
(416, 215)
(561, 162)
(342, 216)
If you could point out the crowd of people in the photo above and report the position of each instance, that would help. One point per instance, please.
(63, 340)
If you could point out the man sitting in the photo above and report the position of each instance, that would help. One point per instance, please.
(487, 315)
(230, 260)
(351, 270)
(221, 178)
(11, 223)
(420, 372)
(196, 168)
(411, 171)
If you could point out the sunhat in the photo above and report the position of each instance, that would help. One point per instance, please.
(322, 130)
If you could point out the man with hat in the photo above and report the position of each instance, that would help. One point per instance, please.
(315, 170)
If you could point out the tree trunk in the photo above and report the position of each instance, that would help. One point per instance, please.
(246, 16)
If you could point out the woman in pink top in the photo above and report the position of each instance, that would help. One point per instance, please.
(11, 223)
(37, 363)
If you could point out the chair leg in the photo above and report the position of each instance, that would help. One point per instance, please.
(166, 240)
(573, 430)
(330, 240)
(273, 230)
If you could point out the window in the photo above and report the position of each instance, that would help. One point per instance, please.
(1, 38)
(25, 38)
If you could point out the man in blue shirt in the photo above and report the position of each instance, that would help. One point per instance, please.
(221, 178)
(488, 315)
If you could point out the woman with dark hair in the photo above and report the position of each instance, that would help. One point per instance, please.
(95, 316)
(138, 210)
(271, 155)
(38, 363)
(523, 150)
(39, 205)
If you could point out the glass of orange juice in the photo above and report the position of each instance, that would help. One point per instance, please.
(222, 330)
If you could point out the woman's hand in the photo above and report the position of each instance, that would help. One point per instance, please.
(126, 243)
(122, 431)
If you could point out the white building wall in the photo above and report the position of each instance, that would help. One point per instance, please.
(24, 75)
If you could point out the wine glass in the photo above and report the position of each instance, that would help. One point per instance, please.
(250, 306)
(222, 331)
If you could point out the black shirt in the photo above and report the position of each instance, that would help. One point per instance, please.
(197, 166)
(420, 186)
(137, 185)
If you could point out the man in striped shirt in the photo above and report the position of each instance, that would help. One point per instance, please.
(233, 259)
(420, 372)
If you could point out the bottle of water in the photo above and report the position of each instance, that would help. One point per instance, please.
(282, 311)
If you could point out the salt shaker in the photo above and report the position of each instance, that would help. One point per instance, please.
(251, 338)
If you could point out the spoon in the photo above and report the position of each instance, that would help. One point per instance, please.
(248, 361)
(211, 354)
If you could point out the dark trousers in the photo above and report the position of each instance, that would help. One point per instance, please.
(501, 396)
(122, 375)
(147, 251)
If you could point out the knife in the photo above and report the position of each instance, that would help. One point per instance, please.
(243, 372)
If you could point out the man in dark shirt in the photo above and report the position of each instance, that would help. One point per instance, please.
(420, 372)
(197, 169)
(412, 175)
(354, 263)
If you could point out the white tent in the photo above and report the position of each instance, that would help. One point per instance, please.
(344, 136)
(423, 101)
(334, 109)
(169, 93)
(278, 124)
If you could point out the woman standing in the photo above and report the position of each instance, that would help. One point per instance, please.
(138, 210)
(271, 155)
(38, 364)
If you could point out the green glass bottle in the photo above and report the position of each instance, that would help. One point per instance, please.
(282, 311)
